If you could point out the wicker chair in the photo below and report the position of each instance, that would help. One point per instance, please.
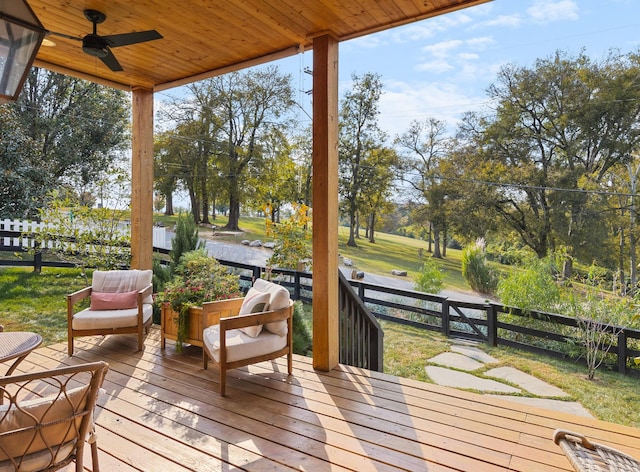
(45, 418)
(588, 456)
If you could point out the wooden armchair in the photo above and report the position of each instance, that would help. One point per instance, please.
(244, 331)
(121, 303)
(46, 418)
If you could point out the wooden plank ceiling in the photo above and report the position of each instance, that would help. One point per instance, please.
(203, 38)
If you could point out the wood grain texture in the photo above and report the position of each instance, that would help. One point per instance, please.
(204, 38)
(160, 412)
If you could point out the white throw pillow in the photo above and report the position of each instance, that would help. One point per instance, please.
(279, 298)
(254, 302)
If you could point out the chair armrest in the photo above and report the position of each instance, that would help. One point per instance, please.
(253, 319)
(212, 312)
(144, 293)
(75, 297)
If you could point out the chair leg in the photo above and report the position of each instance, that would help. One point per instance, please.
(94, 456)
(70, 345)
(205, 358)
(223, 380)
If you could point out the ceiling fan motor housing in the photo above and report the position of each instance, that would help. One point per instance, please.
(94, 45)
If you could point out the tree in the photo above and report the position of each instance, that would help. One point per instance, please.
(248, 111)
(375, 196)
(23, 184)
(359, 136)
(559, 125)
(427, 144)
(78, 128)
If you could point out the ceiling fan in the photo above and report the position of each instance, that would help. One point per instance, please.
(100, 46)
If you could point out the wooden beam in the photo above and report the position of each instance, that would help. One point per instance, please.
(325, 203)
(142, 180)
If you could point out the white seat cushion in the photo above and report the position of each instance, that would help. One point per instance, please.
(109, 319)
(240, 346)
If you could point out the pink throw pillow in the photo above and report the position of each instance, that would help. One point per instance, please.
(114, 300)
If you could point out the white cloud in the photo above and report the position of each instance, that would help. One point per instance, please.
(548, 11)
(480, 42)
(438, 66)
(468, 56)
(403, 102)
(509, 21)
(443, 48)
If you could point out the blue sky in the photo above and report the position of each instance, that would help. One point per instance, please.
(441, 67)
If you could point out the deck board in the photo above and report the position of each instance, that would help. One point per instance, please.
(161, 411)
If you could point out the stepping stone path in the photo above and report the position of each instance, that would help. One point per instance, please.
(454, 369)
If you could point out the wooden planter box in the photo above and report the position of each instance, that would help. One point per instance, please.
(169, 328)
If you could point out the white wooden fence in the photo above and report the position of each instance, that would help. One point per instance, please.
(19, 227)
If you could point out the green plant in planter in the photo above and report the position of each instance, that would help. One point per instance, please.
(197, 278)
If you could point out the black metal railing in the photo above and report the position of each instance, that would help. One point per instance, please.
(361, 336)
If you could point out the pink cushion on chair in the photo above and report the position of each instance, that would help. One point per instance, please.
(113, 300)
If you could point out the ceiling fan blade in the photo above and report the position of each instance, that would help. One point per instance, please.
(111, 62)
(62, 35)
(116, 40)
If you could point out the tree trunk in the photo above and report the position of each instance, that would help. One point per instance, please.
(352, 224)
(372, 224)
(436, 243)
(168, 207)
(234, 204)
(195, 205)
(444, 243)
(430, 234)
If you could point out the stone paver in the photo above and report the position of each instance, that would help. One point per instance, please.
(573, 408)
(474, 353)
(456, 361)
(525, 381)
(456, 379)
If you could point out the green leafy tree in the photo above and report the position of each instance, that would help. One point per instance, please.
(235, 118)
(561, 124)
(78, 128)
(425, 145)
(359, 136)
(23, 184)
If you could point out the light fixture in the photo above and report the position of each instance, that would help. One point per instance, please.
(21, 34)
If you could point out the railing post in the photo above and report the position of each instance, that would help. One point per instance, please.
(296, 286)
(622, 352)
(492, 325)
(37, 262)
(257, 271)
(361, 291)
(445, 317)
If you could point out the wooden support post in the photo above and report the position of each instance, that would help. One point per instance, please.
(325, 203)
(142, 180)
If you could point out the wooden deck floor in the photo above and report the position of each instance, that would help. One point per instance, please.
(162, 412)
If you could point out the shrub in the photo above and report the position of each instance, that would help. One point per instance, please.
(600, 319)
(532, 288)
(430, 279)
(302, 343)
(475, 270)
